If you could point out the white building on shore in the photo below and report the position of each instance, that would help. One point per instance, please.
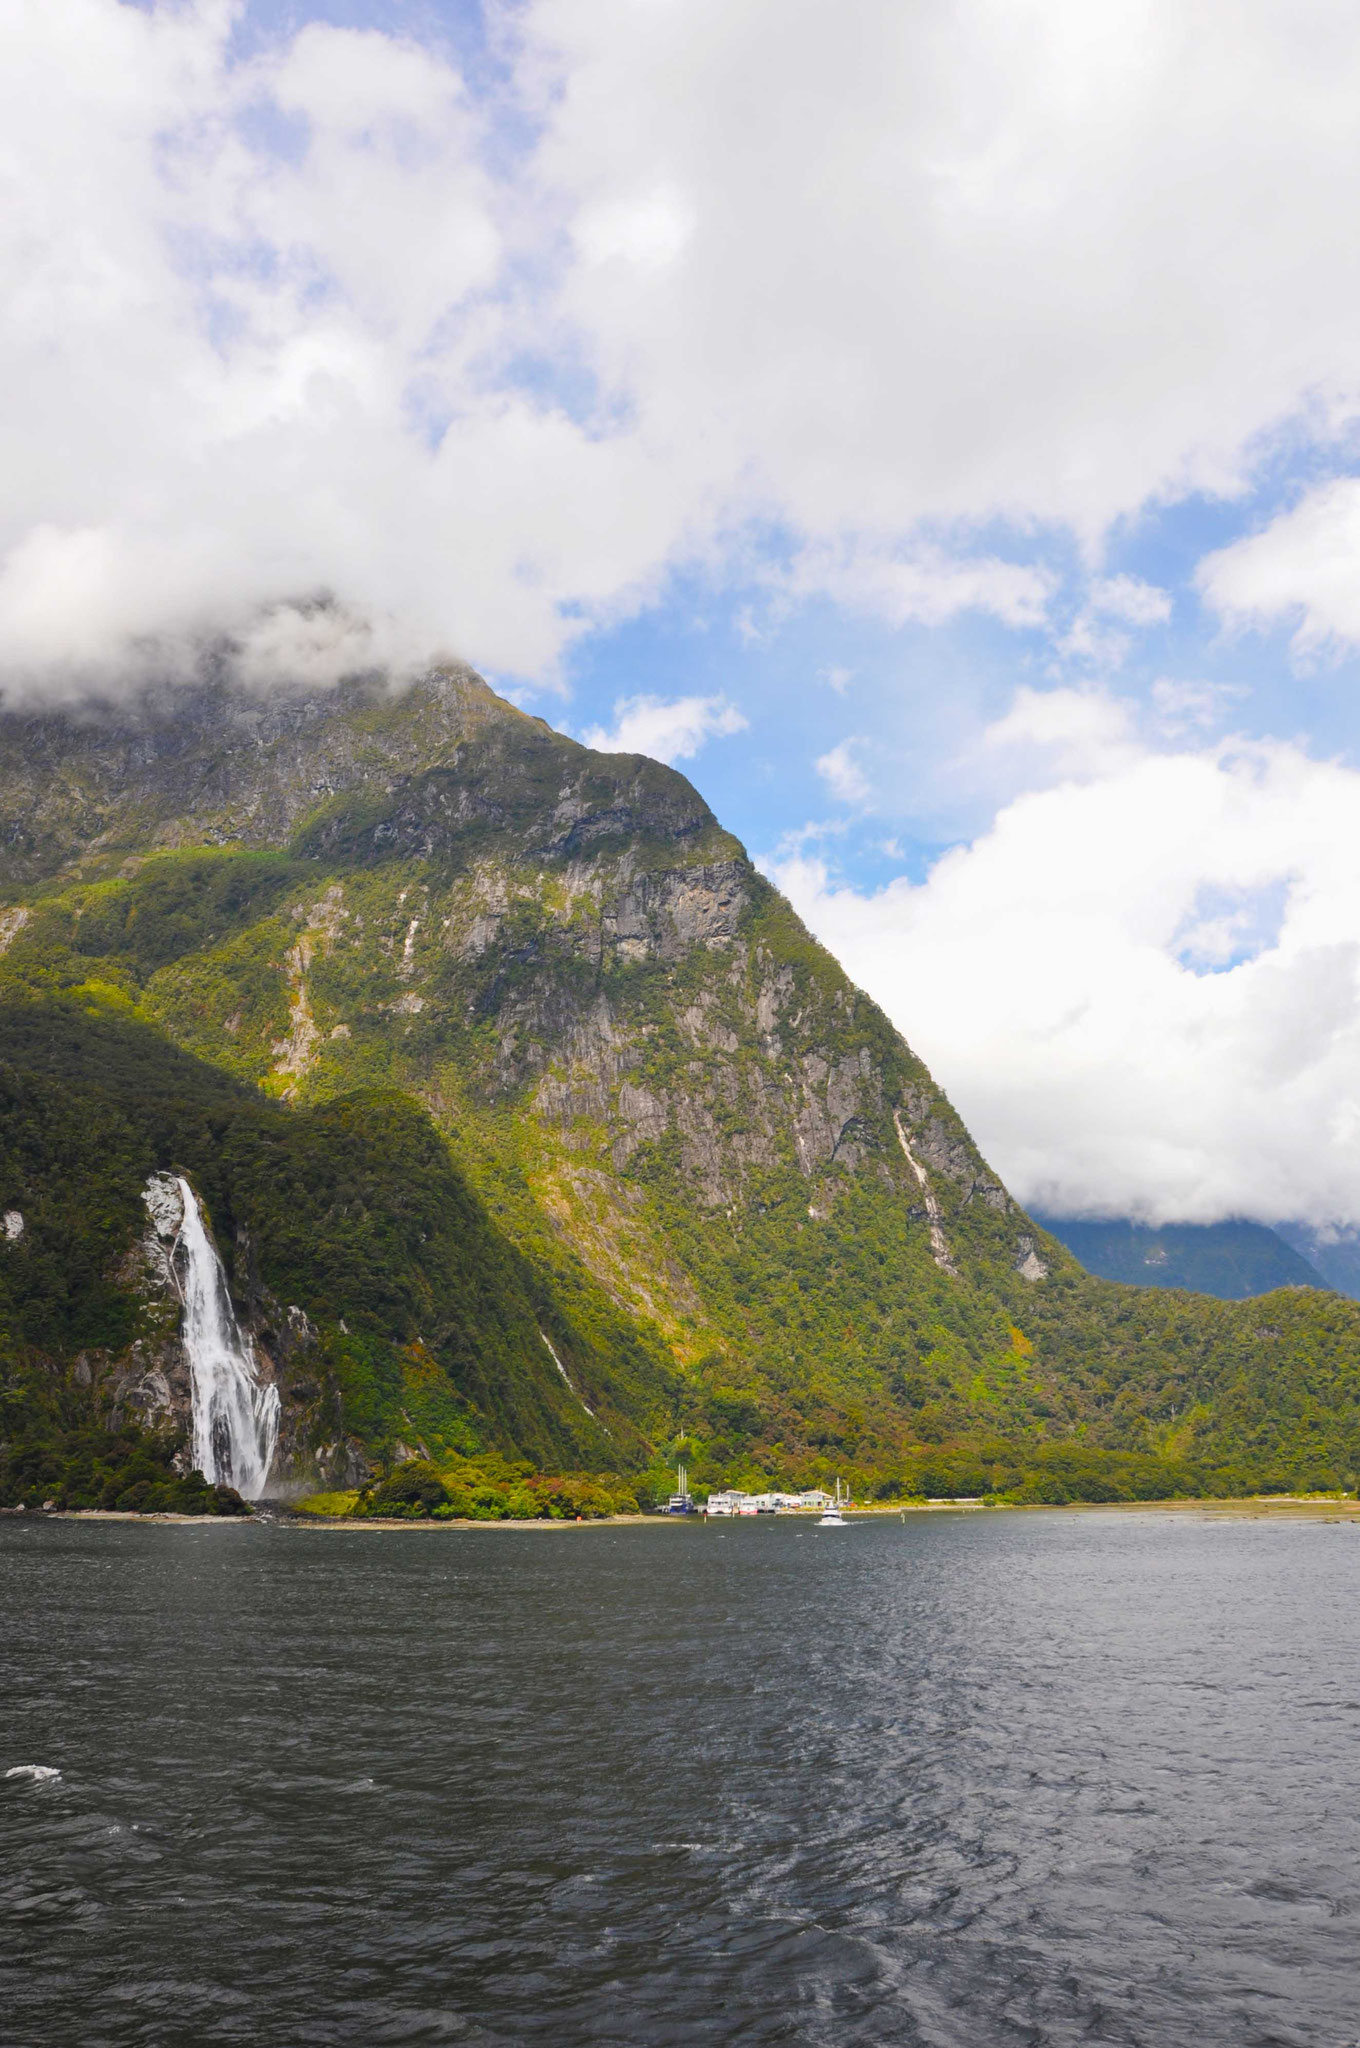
(733, 1501)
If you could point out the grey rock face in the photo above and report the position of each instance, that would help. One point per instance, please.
(211, 764)
(1028, 1264)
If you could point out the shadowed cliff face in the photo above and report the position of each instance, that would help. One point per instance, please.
(207, 764)
(375, 775)
(664, 1090)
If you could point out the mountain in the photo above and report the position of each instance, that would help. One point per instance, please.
(1332, 1250)
(453, 1003)
(1233, 1260)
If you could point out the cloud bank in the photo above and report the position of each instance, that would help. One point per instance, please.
(669, 730)
(1302, 570)
(906, 288)
(1141, 986)
(261, 324)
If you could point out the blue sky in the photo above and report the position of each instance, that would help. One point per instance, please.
(935, 429)
(918, 696)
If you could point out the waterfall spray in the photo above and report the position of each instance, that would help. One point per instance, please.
(235, 1418)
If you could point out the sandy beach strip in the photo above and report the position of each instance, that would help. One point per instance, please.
(1251, 1507)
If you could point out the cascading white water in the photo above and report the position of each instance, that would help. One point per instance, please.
(235, 1418)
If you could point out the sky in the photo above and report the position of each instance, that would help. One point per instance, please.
(934, 428)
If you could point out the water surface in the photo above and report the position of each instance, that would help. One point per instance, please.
(963, 1781)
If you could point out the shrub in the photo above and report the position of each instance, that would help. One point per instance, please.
(563, 1499)
(414, 1488)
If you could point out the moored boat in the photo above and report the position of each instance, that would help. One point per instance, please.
(680, 1502)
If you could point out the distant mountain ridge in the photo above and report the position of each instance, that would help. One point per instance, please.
(759, 1228)
(1234, 1260)
(1332, 1250)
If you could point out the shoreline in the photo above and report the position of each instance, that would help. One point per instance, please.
(1251, 1507)
(1252, 1504)
(288, 1519)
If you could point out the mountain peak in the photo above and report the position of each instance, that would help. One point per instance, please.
(209, 761)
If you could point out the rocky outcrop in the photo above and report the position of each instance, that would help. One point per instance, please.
(934, 1216)
(1028, 1263)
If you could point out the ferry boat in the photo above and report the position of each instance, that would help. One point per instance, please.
(832, 1518)
(725, 1502)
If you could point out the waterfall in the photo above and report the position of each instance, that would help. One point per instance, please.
(563, 1370)
(576, 1396)
(236, 1419)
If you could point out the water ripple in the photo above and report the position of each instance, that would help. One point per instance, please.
(966, 1783)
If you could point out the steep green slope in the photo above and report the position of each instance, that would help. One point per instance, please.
(667, 1097)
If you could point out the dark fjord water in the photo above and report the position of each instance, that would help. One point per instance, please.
(964, 1781)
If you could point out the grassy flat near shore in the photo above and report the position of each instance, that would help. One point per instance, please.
(389, 1524)
(1299, 1506)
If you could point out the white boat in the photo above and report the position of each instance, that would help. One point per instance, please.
(724, 1503)
(832, 1518)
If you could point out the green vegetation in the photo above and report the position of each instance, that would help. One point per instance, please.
(331, 1506)
(55, 1453)
(485, 1489)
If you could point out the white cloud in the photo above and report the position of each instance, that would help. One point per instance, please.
(1097, 646)
(1130, 599)
(1057, 735)
(794, 843)
(964, 260)
(1142, 987)
(649, 232)
(924, 586)
(264, 322)
(842, 774)
(1091, 639)
(907, 291)
(671, 730)
(1182, 707)
(1303, 568)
